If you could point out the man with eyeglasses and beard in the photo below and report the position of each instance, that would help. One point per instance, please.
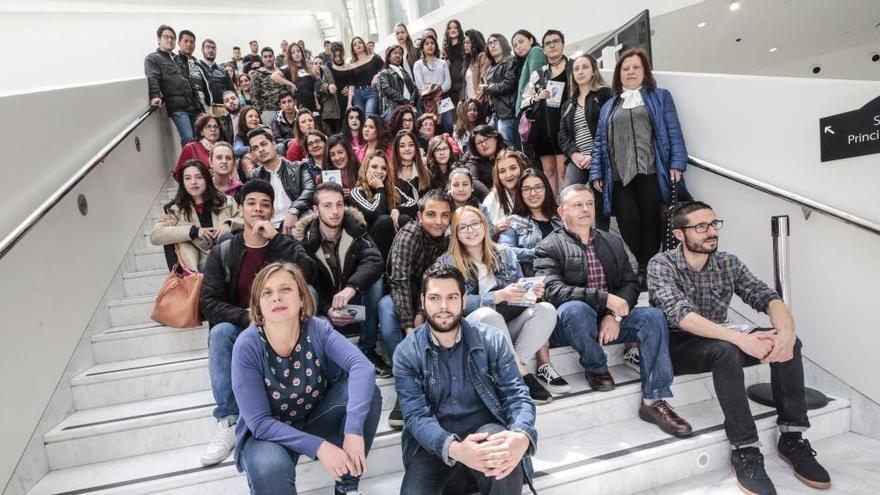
(693, 285)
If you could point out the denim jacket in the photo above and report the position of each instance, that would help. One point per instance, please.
(522, 237)
(492, 368)
(506, 272)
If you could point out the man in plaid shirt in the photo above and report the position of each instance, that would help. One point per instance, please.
(588, 277)
(415, 248)
(693, 285)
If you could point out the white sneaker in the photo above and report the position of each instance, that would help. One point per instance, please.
(550, 379)
(632, 358)
(222, 444)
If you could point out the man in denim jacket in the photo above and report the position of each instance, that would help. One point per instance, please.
(468, 413)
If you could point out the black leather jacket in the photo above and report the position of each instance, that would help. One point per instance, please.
(391, 88)
(168, 80)
(561, 259)
(297, 181)
(567, 132)
(218, 81)
(502, 83)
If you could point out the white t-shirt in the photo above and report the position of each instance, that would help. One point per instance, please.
(282, 202)
(485, 279)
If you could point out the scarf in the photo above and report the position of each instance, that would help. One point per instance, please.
(207, 144)
(631, 98)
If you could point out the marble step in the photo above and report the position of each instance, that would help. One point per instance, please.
(130, 429)
(144, 283)
(150, 258)
(146, 340)
(153, 375)
(131, 310)
(612, 459)
(850, 458)
(133, 380)
(629, 465)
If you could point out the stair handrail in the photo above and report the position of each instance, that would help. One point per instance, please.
(31, 220)
(784, 194)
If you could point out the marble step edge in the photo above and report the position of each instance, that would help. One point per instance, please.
(702, 438)
(141, 330)
(132, 301)
(616, 464)
(122, 370)
(149, 250)
(165, 410)
(145, 274)
(647, 452)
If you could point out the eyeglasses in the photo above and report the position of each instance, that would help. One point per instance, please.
(314, 144)
(167, 37)
(551, 43)
(530, 189)
(212, 127)
(484, 142)
(702, 228)
(492, 41)
(467, 227)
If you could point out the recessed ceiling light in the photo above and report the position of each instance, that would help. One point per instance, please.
(772, 49)
(734, 5)
(701, 25)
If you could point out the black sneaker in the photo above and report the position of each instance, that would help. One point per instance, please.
(748, 466)
(550, 379)
(539, 394)
(395, 418)
(382, 368)
(802, 459)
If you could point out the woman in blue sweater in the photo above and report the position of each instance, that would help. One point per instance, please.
(290, 372)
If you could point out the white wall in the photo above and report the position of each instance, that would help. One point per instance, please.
(851, 63)
(63, 48)
(54, 278)
(767, 128)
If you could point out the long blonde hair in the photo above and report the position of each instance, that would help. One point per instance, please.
(459, 254)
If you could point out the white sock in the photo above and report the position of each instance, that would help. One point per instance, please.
(650, 402)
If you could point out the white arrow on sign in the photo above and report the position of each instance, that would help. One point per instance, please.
(828, 130)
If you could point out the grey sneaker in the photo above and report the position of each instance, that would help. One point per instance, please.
(632, 358)
(550, 379)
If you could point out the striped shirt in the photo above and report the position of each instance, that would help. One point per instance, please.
(583, 138)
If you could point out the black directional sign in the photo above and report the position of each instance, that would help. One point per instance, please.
(850, 134)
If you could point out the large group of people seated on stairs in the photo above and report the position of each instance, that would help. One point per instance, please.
(448, 207)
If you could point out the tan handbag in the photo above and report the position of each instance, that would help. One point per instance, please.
(177, 304)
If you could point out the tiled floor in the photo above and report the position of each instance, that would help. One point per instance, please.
(852, 459)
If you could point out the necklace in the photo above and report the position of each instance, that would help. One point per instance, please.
(554, 64)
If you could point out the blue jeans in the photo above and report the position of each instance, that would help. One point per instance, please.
(271, 468)
(185, 123)
(221, 339)
(509, 128)
(367, 98)
(370, 326)
(427, 474)
(580, 330)
(389, 325)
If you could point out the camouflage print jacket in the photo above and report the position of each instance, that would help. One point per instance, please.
(265, 91)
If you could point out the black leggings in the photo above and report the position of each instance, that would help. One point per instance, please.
(637, 208)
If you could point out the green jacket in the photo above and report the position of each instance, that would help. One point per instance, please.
(534, 61)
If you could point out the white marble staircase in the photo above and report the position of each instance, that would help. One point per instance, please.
(143, 415)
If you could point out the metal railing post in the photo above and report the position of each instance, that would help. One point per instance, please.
(779, 228)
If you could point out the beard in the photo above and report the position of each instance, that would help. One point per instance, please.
(440, 328)
(698, 247)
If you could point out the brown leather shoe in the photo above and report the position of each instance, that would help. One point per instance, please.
(662, 415)
(601, 382)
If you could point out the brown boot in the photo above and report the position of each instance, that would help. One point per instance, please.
(601, 382)
(662, 415)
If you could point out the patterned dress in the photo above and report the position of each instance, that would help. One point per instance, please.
(294, 384)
